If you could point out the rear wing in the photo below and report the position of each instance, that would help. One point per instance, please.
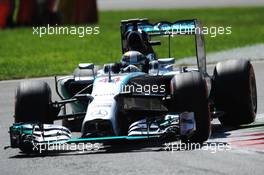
(163, 28)
(181, 27)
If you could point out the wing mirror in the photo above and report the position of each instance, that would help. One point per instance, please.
(86, 66)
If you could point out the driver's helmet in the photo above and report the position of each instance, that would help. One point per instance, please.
(135, 58)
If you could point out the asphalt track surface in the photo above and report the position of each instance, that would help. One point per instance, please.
(246, 155)
(164, 4)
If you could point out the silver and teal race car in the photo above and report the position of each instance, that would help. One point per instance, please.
(142, 97)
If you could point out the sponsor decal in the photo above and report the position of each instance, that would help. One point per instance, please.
(114, 79)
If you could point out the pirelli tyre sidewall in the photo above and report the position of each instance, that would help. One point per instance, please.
(235, 92)
(32, 102)
(190, 93)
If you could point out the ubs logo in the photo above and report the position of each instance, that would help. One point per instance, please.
(114, 79)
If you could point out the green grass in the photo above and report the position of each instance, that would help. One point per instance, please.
(25, 55)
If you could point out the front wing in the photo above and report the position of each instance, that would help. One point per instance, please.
(27, 136)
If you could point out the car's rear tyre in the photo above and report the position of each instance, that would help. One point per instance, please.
(32, 102)
(189, 92)
(235, 92)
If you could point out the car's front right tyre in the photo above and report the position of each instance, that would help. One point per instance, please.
(33, 103)
(189, 93)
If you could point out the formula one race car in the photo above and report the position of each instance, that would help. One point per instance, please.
(142, 97)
